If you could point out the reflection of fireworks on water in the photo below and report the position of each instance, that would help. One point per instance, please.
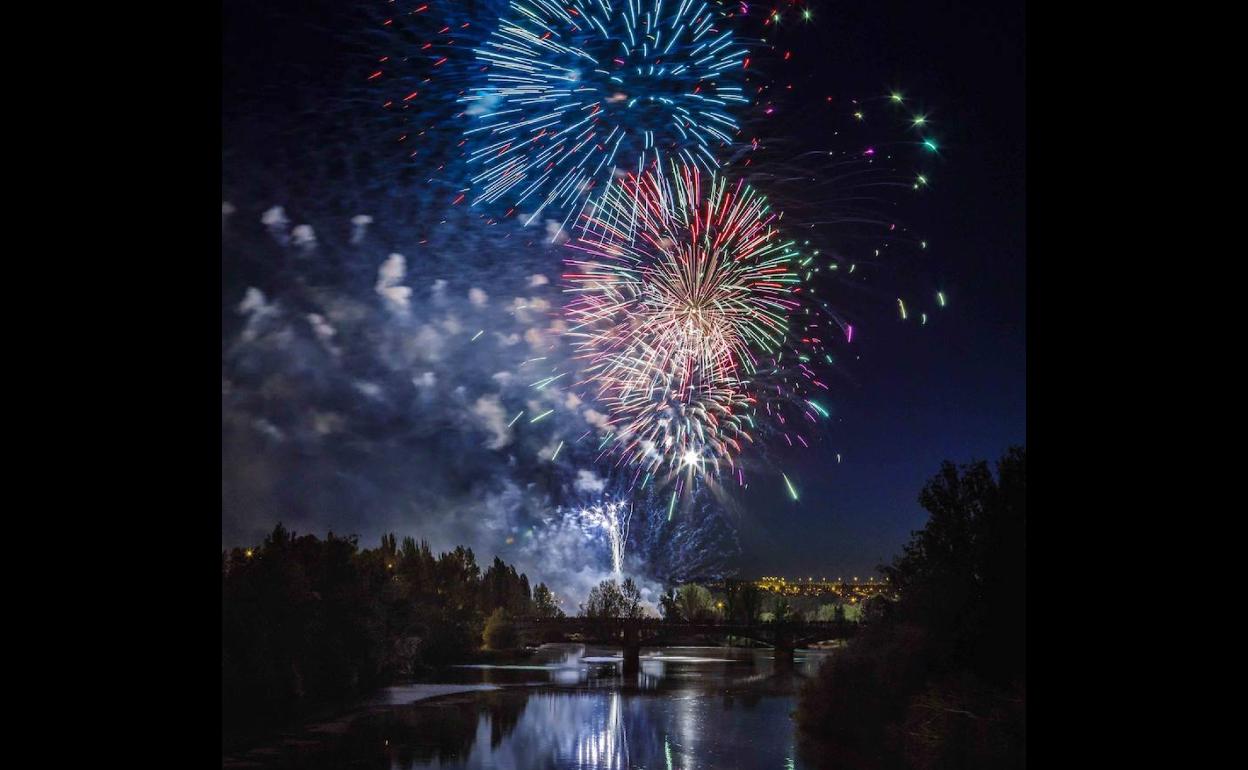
(612, 518)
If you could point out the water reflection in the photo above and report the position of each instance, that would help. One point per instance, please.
(570, 707)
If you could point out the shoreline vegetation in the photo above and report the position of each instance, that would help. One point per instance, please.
(937, 679)
(310, 625)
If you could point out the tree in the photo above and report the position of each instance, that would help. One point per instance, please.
(751, 601)
(500, 633)
(544, 603)
(783, 612)
(610, 599)
(694, 603)
(963, 574)
(667, 605)
(938, 676)
(831, 612)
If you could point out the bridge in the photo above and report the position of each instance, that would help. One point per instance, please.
(634, 633)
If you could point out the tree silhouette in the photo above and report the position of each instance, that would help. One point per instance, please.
(937, 679)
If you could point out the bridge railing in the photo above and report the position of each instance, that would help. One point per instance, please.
(813, 630)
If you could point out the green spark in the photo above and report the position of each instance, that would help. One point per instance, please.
(858, 115)
(820, 409)
(940, 297)
(896, 97)
(540, 416)
(671, 507)
(920, 120)
(902, 305)
(789, 484)
(929, 144)
(541, 384)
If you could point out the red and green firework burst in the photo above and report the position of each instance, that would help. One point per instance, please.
(682, 284)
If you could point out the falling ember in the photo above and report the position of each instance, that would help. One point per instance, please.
(540, 416)
(789, 484)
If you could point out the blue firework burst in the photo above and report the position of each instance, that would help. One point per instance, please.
(576, 88)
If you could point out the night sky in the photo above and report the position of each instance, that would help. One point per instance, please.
(354, 405)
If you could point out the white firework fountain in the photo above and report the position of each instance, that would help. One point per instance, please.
(612, 518)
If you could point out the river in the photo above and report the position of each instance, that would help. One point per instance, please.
(570, 707)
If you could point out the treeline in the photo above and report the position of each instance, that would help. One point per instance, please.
(938, 679)
(307, 621)
(740, 601)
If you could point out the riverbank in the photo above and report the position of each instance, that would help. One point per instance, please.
(309, 736)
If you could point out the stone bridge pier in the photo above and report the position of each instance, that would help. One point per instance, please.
(782, 649)
(632, 650)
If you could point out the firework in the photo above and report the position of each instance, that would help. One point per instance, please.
(685, 283)
(575, 87)
(612, 518)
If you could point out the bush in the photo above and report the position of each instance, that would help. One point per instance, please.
(500, 631)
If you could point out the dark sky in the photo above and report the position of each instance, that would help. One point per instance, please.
(954, 389)
(957, 391)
